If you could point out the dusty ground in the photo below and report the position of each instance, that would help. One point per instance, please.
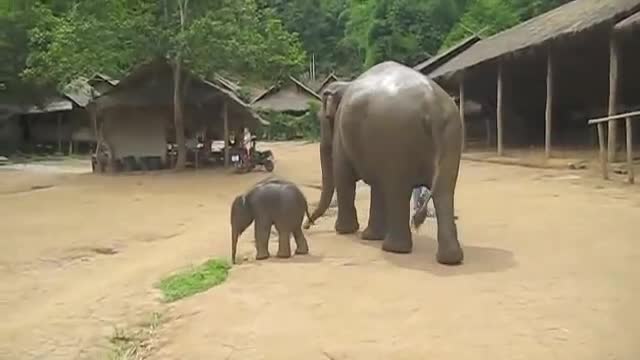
(552, 271)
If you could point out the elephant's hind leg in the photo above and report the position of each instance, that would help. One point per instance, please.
(284, 243)
(398, 237)
(444, 186)
(302, 247)
(376, 229)
(262, 233)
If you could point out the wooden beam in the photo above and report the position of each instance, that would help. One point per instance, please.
(500, 108)
(548, 119)
(464, 124)
(613, 117)
(613, 97)
(603, 151)
(225, 115)
(59, 130)
(629, 131)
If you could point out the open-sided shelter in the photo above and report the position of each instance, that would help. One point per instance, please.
(542, 79)
(291, 96)
(134, 120)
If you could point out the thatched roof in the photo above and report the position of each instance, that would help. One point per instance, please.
(50, 104)
(276, 98)
(432, 63)
(226, 83)
(151, 84)
(79, 91)
(630, 23)
(557, 24)
(328, 80)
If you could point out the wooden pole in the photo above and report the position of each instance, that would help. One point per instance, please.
(629, 131)
(464, 125)
(499, 110)
(549, 110)
(487, 125)
(60, 133)
(225, 114)
(613, 97)
(603, 151)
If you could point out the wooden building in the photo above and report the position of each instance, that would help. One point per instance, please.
(134, 120)
(290, 96)
(543, 79)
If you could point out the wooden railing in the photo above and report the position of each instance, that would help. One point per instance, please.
(603, 151)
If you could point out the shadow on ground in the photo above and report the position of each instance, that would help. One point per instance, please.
(477, 259)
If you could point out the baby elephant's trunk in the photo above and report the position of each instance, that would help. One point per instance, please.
(234, 245)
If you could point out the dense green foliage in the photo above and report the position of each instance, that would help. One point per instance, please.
(52, 42)
(49, 43)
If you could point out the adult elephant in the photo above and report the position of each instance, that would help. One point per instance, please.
(395, 129)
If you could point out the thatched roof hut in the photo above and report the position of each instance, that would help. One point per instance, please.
(135, 117)
(551, 72)
(54, 121)
(290, 96)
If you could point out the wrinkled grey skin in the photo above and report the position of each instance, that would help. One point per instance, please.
(395, 129)
(270, 202)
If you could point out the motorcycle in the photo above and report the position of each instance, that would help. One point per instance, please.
(245, 161)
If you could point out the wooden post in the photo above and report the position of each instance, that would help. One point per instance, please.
(499, 110)
(60, 133)
(613, 97)
(629, 131)
(225, 115)
(548, 120)
(487, 125)
(464, 124)
(603, 152)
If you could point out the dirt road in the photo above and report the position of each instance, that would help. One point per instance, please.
(552, 270)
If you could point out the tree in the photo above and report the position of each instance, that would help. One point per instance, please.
(110, 36)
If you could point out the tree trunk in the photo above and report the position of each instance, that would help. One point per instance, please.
(178, 118)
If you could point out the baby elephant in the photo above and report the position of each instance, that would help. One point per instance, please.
(270, 202)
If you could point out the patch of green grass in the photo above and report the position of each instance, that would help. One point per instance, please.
(135, 344)
(194, 280)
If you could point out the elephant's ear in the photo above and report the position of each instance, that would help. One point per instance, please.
(331, 98)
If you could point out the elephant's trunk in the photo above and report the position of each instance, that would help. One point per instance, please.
(328, 185)
(234, 245)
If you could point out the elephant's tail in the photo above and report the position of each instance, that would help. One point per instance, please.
(309, 220)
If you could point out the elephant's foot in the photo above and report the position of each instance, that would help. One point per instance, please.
(450, 255)
(284, 254)
(373, 234)
(400, 246)
(302, 250)
(262, 256)
(347, 227)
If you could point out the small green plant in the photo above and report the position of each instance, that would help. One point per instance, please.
(134, 344)
(194, 280)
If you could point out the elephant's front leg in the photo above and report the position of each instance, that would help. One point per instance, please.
(398, 237)
(376, 229)
(262, 229)
(347, 221)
